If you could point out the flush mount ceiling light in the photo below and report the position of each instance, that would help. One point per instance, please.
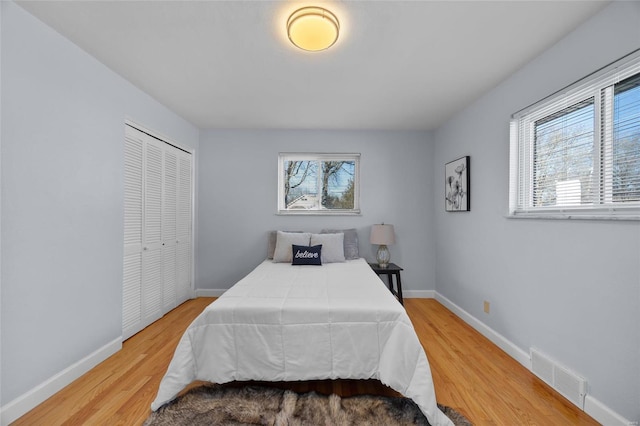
(313, 28)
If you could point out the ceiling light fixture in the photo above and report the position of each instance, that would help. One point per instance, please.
(313, 28)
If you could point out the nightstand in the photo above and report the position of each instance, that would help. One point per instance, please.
(391, 271)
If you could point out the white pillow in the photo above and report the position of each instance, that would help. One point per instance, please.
(351, 245)
(284, 241)
(332, 246)
(273, 238)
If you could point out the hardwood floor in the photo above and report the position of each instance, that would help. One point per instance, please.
(470, 373)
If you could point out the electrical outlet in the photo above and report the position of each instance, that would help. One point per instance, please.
(487, 307)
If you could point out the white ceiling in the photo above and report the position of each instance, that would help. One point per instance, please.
(396, 65)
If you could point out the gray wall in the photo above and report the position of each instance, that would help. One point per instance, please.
(1, 8)
(62, 199)
(238, 198)
(568, 288)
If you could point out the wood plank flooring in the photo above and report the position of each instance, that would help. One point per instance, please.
(470, 373)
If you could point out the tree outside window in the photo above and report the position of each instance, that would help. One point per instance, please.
(318, 183)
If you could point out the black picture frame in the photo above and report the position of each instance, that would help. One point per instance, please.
(457, 184)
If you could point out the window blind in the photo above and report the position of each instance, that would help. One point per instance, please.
(626, 141)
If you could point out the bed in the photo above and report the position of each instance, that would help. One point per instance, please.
(288, 323)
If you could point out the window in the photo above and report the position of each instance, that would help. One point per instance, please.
(576, 154)
(318, 183)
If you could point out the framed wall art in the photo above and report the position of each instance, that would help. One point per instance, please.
(456, 185)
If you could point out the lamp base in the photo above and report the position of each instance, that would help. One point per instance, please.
(383, 256)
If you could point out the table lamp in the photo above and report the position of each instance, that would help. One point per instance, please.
(382, 235)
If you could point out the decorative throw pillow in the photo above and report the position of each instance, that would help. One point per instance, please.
(284, 241)
(351, 245)
(307, 255)
(332, 246)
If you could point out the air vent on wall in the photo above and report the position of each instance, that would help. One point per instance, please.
(569, 384)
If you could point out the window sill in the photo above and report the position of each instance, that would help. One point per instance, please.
(319, 213)
(572, 216)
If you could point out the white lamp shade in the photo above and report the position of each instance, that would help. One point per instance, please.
(382, 234)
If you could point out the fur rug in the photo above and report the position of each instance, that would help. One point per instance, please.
(253, 405)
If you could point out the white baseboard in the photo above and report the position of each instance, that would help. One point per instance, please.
(407, 294)
(603, 414)
(498, 339)
(26, 402)
(418, 294)
(210, 292)
(592, 406)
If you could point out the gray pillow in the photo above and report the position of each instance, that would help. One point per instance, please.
(284, 241)
(332, 246)
(351, 246)
(273, 236)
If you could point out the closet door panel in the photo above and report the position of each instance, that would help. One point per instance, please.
(169, 219)
(152, 232)
(133, 217)
(184, 224)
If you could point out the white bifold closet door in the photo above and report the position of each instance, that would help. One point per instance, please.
(157, 229)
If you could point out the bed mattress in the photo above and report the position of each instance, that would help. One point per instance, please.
(290, 323)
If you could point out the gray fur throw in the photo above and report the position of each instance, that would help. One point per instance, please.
(253, 405)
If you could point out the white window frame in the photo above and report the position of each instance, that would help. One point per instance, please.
(598, 86)
(297, 156)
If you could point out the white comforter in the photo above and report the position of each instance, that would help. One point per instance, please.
(290, 323)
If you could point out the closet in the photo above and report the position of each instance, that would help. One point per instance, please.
(157, 229)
